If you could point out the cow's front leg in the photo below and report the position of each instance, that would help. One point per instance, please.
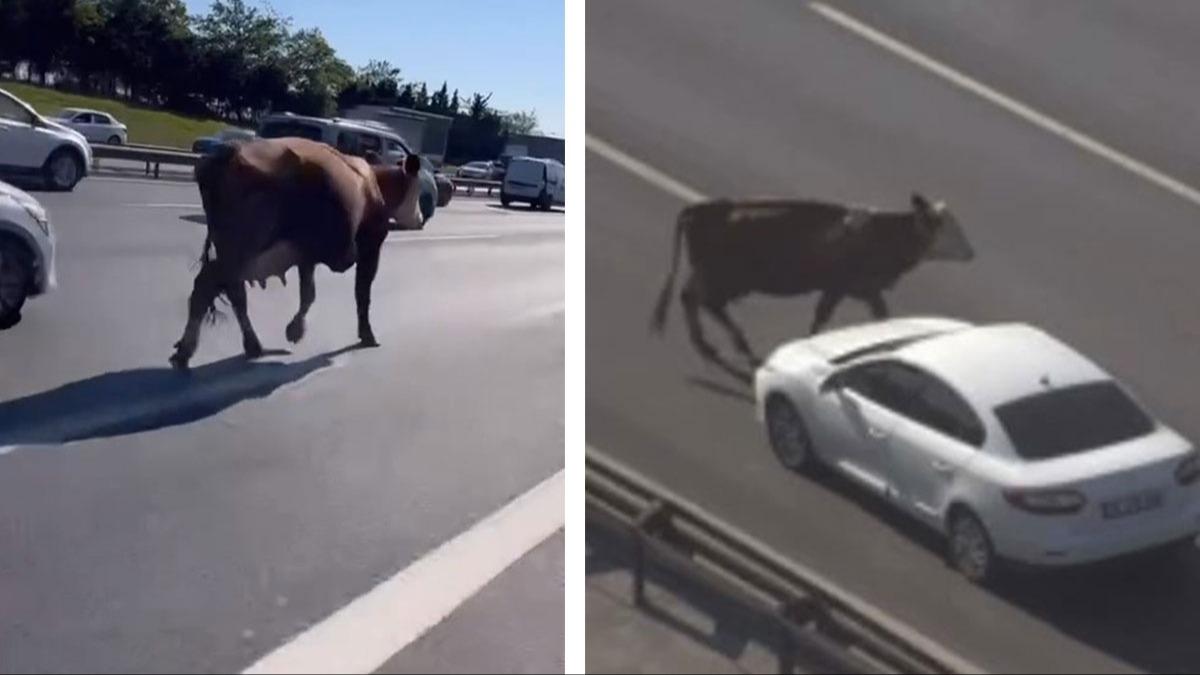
(879, 308)
(204, 294)
(825, 306)
(235, 288)
(369, 246)
(308, 295)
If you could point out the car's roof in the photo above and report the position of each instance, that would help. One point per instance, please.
(86, 110)
(994, 364)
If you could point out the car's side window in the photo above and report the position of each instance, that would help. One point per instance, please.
(934, 404)
(876, 382)
(368, 143)
(104, 119)
(83, 118)
(9, 110)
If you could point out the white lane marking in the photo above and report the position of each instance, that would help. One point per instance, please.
(364, 634)
(1008, 103)
(5, 449)
(543, 312)
(643, 170)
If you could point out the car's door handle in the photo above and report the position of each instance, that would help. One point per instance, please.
(943, 468)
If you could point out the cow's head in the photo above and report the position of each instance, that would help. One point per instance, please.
(947, 240)
(401, 191)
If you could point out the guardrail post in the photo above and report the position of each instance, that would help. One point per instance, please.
(156, 167)
(644, 525)
(787, 649)
(147, 167)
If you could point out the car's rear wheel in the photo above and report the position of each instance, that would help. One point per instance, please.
(63, 170)
(788, 434)
(970, 548)
(16, 277)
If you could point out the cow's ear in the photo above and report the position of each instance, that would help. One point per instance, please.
(919, 203)
(412, 165)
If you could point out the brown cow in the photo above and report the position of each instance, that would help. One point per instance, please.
(789, 247)
(290, 202)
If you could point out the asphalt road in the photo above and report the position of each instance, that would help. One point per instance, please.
(155, 522)
(759, 98)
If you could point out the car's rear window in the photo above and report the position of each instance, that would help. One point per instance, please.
(1073, 419)
(527, 171)
(288, 129)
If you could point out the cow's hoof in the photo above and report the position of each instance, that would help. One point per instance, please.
(179, 362)
(254, 350)
(295, 330)
(367, 340)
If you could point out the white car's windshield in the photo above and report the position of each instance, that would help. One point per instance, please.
(1073, 419)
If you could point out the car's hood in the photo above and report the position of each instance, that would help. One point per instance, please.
(839, 342)
(58, 126)
(18, 195)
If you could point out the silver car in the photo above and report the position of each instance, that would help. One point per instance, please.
(26, 252)
(95, 125)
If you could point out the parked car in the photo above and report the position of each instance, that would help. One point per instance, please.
(1003, 439)
(32, 146)
(445, 186)
(26, 252)
(95, 125)
(539, 182)
(480, 170)
(373, 141)
(206, 144)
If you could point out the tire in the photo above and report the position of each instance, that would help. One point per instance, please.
(16, 277)
(969, 548)
(114, 140)
(63, 170)
(788, 435)
(426, 209)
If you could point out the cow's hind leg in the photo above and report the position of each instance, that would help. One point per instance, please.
(825, 306)
(721, 314)
(235, 288)
(689, 297)
(308, 295)
(204, 294)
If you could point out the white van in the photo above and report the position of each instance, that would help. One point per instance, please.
(539, 182)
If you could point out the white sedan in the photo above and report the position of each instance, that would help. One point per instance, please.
(26, 252)
(1002, 438)
(96, 126)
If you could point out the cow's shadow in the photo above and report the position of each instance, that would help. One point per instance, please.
(145, 399)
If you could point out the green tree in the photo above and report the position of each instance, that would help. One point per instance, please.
(519, 122)
(440, 101)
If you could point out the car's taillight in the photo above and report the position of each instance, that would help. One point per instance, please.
(1047, 502)
(1188, 471)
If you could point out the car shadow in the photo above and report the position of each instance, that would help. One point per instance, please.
(144, 399)
(524, 209)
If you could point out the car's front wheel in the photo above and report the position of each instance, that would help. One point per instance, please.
(63, 170)
(114, 140)
(16, 276)
(788, 434)
(970, 548)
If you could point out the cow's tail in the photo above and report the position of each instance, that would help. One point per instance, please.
(659, 320)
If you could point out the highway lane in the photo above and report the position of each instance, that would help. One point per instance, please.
(198, 522)
(769, 98)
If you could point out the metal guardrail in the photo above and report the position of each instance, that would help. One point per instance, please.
(471, 184)
(153, 156)
(815, 618)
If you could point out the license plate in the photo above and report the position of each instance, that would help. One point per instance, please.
(1132, 504)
